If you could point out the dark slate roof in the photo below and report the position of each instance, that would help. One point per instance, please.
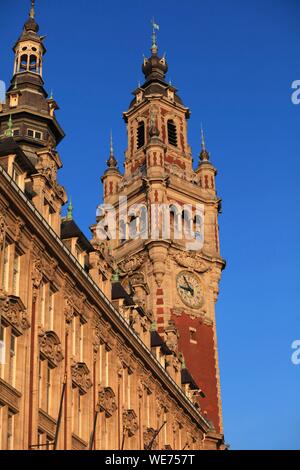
(9, 146)
(157, 341)
(186, 378)
(118, 292)
(69, 229)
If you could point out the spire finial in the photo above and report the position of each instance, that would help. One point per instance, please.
(70, 210)
(204, 155)
(202, 138)
(155, 27)
(32, 10)
(111, 145)
(9, 131)
(111, 162)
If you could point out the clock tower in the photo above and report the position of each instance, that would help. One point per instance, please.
(166, 246)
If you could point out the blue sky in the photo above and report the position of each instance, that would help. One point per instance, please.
(233, 62)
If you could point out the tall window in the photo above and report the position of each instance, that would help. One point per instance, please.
(172, 133)
(77, 412)
(48, 388)
(5, 272)
(78, 338)
(10, 430)
(45, 385)
(141, 134)
(50, 310)
(12, 358)
(16, 273)
(43, 303)
(2, 351)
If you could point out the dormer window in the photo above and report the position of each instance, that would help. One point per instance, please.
(16, 173)
(16, 132)
(34, 134)
(141, 135)
(172, 133)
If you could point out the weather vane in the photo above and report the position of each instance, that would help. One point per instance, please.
(155, 27)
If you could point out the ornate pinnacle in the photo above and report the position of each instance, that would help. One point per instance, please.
(70, 211)
(111, 162)
(204, 155)
(115, 277)
(9, 131)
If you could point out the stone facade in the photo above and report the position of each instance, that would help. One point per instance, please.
(91, 359)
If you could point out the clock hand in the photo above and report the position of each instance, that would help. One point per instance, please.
(185, 288)
(189, 286)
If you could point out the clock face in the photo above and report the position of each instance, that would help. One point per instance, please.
(189, 289)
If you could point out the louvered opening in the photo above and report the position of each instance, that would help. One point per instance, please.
(141, 135)
(172, 133)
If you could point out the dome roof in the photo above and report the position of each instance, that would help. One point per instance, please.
(31, 25)
(155, 66)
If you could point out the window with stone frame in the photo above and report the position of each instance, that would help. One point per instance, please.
(45, 385)
(45, 442)
(8, 369)
(6, 265)
(10, 430)
(77, 412)
(47, 305)
(16, 272)
(77, 329)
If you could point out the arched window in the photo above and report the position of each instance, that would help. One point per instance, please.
(141, 134)
(33, 64)
(172, 133)
(23, 62)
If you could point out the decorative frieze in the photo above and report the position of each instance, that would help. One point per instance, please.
(132, 263)
(190, 260)
(50, 347)
(14, 312)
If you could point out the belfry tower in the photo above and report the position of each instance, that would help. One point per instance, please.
(169, 278)
(28, 116)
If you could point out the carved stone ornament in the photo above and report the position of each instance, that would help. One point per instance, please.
(36, 276)
(3, 225)
(73, 303)
(191, 260)
(50, 347)
(19, 224)
(81, 376)
(130, 422)
(130, 264)
(125, 358)
(107, 401)
(69, 306)
(149, 439)
(14, 312)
